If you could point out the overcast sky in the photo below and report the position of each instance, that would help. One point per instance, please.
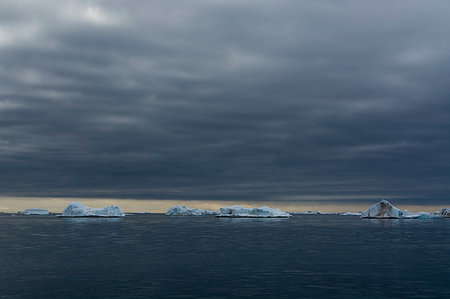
(229, 100)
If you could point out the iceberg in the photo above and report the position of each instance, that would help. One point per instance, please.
(35, 212)
(351, 214)
(382, 209)
(185, 211)
(77, 209)
(262, 212)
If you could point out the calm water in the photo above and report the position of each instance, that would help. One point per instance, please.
(187, 257)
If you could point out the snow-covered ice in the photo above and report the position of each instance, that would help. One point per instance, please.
(262, 212)
(382, 209)
(185, 211)
(35, 212)
(351, 214)
(77, 209)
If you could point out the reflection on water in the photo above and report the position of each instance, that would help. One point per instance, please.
(153, 256)
(85, 220)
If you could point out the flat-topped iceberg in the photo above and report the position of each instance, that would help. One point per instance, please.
(262, 212)
(382, 209)
(35, 212)
(77, 209)
(185, 211)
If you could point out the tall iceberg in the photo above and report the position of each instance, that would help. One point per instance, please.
(77, 209)
(262, 212)
(185, 211)
(382, 209)
(35, 212)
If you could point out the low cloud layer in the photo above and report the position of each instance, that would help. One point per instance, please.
(258, 100)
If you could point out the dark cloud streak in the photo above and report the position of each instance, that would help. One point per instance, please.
(225, 100)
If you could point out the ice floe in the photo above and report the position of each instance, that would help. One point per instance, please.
(185, 211)
(35, 212)
(262, 212)
(77, 209)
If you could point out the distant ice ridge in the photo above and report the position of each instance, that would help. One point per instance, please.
(35, 212)
(326, 213)
(262, 212)
(303, 213)
(385, 209)
(351, 214)
(77, 209)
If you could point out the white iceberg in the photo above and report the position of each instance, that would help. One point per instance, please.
(185, 211)
(382, 209)
(351, 214)
(77, 209)
(262, 212)
(35, 212)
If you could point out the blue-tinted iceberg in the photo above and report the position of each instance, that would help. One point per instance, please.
(35, 212)
(262, 212)
(77, 209)
(420, 215)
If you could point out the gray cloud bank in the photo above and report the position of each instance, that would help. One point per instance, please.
(225, 99)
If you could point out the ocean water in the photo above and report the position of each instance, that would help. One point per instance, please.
(154, 256)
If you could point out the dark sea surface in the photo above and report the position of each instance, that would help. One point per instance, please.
(153, 256)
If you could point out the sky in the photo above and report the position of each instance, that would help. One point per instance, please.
(278, 101)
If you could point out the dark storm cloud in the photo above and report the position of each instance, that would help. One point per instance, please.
(225, 99)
